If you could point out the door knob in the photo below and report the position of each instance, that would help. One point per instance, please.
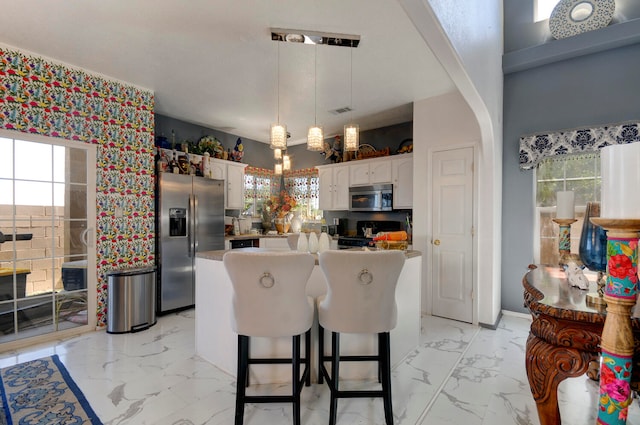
(436, 242)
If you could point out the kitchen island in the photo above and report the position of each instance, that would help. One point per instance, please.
(217, 343)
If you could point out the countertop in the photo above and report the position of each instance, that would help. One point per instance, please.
(218, 254)
(257, 236)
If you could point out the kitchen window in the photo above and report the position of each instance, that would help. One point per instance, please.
(304, 186)
(259, 185)
(579, 173)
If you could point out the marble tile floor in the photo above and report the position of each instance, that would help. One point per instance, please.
(460, 374)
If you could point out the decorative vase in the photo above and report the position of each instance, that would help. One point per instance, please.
(282, 225)
(323, 242)
(593, 250)
(296, 222)
(313, 242)
(303, 244)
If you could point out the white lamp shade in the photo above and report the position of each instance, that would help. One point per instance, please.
(315, 139)
(277, 153)
(620, 181)
(351, 137)
(286, 162)
(278, 136)
(278, 169)
(566, 205)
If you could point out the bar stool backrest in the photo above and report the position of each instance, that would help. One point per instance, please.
(269, 297)
(361, 290)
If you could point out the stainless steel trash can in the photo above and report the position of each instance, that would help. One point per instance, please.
(131, 299)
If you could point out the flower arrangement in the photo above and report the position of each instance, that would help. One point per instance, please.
(279, 206)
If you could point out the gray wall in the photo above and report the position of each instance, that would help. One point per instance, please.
(259, 154)
(593, 89)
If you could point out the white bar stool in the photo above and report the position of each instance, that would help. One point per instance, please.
(269, 300)
(360, 299)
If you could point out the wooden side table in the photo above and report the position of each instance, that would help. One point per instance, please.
(564, 337)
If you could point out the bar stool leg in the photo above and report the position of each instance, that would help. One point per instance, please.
(335, 372)
(320, 354)
(307, 362)
(296, 379)
(384, 353)
(241, 379)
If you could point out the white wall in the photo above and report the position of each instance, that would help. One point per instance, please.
(466, 36)
(439, 122)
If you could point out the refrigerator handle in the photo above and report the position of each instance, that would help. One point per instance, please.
(190, 226)
(195, 224)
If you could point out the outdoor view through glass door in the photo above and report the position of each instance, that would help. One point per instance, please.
(47, 216)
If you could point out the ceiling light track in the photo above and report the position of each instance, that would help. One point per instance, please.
(314, 37)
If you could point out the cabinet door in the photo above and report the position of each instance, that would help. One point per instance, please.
(341, 188)
(235, 187)
(403, 182)
(359, 174)
(325, 189)
(380, 171)
(218, 169)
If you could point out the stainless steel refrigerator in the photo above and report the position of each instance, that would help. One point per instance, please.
(189, 219)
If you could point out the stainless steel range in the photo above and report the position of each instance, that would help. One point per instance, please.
(366, 230)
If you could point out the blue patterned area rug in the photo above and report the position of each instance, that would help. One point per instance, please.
(42, 392)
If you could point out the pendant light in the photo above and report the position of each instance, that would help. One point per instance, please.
(315, 136)
(277, 153)
(351, 131)
(286, 163)
(278, 133)
(278, 169)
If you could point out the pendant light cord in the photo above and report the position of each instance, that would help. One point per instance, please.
(278, 76)
(351, 77)
(315, 86)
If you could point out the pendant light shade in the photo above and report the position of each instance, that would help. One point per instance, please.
(351, 137)
(278, 169)
(351, 131)
(315, 139)
(315, 136)
(278, 133)
(278, 136)
(286, 163)
(277, 154)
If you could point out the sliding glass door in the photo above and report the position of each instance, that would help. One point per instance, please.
(47, 247)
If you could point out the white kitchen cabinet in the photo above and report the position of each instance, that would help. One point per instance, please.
(402, 176)
(275, 243)
(370, 171)
(333, 187)
(233, 175)
(234, 191)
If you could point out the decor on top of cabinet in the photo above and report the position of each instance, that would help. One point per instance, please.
(238, 151)
(367, 151)
(212, 145)
(406, 146)
(333, 152)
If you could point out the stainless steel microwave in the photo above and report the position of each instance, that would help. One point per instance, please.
(371, 198)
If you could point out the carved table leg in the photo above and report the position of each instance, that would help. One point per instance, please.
(547, 366)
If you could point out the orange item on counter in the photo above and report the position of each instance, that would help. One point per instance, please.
(400, 235)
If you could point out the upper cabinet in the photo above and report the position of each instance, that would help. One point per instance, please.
(402, 179)
(333, 183)
(372, 171)
(233, 175)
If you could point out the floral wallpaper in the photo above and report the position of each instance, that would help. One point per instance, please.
(42, 97)
(536, 147)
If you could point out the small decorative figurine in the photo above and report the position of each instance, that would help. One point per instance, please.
(575, 275)
(238, 151)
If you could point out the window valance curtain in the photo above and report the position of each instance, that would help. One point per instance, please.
(302, 184)
(536, 147)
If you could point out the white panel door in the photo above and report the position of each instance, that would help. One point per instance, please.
(452, 261)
